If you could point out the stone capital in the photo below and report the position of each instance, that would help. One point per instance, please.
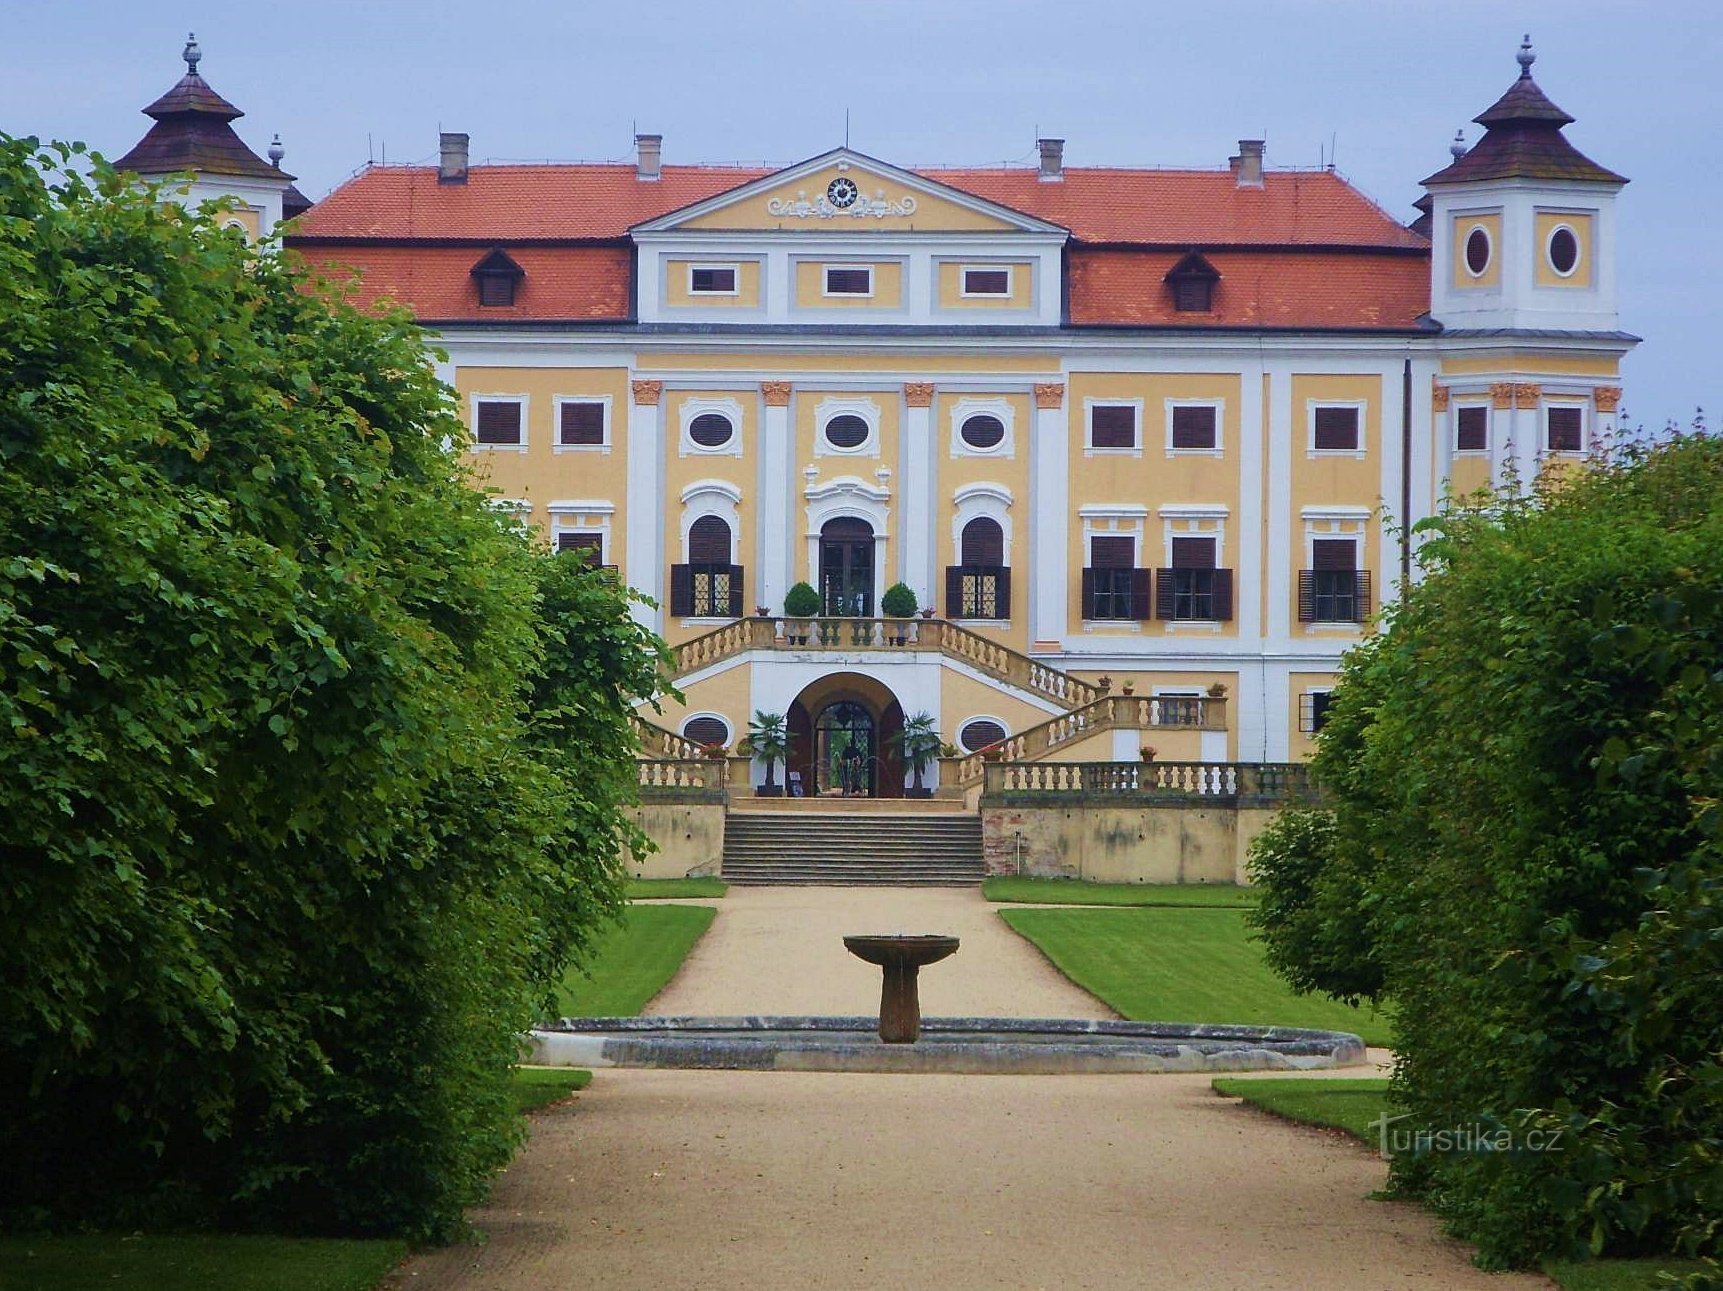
(1607, 398)
(776, 393)
(646, 392)
(1439, 398)
(1527, 393)
(1049, 394)
(918, 394)
(1501, 395)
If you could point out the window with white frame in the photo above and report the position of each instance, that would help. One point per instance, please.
(1336, 427)
(847, 427)
(1472, 428)
(711, 280)
(706, 730)
(1113, 426)
(986, 280)
(582, 527)
(982, 427)
(1193, 426)
(848, 279)
(711, 427)
(1564, 428)
(499, 421)
(582, 422)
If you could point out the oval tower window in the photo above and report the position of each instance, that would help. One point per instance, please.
(1563, 251)
(1477, 252)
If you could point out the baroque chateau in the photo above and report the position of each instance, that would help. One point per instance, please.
(1143, 443)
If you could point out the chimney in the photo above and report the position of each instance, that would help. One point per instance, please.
(649, 149)
(1247, 166)
(1052, 159)
(451, 158)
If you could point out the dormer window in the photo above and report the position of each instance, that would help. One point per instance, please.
(1192, 283)
(498, 277)
(849, 280)
(712, 280)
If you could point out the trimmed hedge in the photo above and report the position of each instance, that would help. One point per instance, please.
(1521, 849)
(312, 761)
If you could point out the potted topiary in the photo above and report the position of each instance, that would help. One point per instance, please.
(1147, 752)
(769, 740)
(919, 742)
(1217, 691)
(801, 603)
(898, 603)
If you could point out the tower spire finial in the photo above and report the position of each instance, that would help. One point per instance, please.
(191, 53)
(1525, 58)
(276, 151)
(1457, 149)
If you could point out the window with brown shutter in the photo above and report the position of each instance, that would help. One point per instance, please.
(1193, 295)
(709, 585)
(499, 422)
(849, 281)
(591, 544)
(1334, 589)
(979, 587)
(496, 289)
(1566, 430)
(1195, 426)
(1472, 429)
(580, 423)
(1112, 425)
(1336, 430)
(978, 733)
(1112, 587)
(1193, 588)
(706, 731)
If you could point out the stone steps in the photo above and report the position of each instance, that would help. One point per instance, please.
(839, 849)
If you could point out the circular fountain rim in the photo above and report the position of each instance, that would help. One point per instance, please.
(956, 1045)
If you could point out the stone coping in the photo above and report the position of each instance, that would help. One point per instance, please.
(1014, 1046)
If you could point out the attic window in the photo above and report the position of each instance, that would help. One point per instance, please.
(987, 282)
(498, 276)
(1192, 281)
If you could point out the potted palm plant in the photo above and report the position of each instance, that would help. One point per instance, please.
(769, 740)
(801, 603)
(898, 603)
(919, 741)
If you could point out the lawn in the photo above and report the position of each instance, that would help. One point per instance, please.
(140, 1263)
(658, 889)
(535, 1087)
(1182, 965)
(1352, 1105)
(1081, 892)
(632, 961)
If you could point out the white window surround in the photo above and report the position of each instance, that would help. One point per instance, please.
(853, 497)
(985, 501)
(1114, 522)
(735, 270)
(517, 509)
(1219, 406)
(964, 270)
(1359, 453)
(962, 409)
(729, 731)
(588, 517)
(1578, 245)
(1471, 224)
(1309, 693)
(1553, 400)
(712, 498)
(1471, 400)
(836, 406)
(473, 422)
(1209, 526)
(557, 446)
(826, 268)
(1089, 406)
(698, 407)
(1000, 722)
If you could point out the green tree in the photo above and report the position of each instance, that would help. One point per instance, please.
(769, 740)
(312, 764)
(1522, 852)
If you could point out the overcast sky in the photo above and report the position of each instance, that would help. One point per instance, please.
(1378, 86)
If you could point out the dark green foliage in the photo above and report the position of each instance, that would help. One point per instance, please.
(898, 601)
(1523, 772)
(311, 764)
(801, 601)
(1312, 916)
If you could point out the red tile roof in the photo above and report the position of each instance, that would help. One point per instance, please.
(436, 282)
(1301, 289)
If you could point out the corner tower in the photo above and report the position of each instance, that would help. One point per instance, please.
(193, 133)
(1523, 224)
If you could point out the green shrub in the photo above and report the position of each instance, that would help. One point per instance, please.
(898, 601)
(801, 601)
(312, 761)
(1522, 772)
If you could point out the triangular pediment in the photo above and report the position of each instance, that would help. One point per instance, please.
(846, 191)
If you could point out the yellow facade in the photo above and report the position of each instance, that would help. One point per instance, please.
(746, 295)
(1491, 224)
(887, 290)
(688, 466)
(1530, 363)
(955, 471)
(930, 213)
(1299, 687)
(1579, 222)
(1022, 281)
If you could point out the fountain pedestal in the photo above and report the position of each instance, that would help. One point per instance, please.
(900, 959)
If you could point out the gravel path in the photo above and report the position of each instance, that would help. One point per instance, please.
(669, 1179)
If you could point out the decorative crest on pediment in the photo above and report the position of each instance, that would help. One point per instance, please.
(838, 203)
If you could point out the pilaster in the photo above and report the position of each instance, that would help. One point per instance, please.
(774, 541)
(643, 559)
(919, 549)
(1049, 517)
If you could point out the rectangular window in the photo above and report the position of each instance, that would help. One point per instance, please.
(1112, 425)
(496, 289)
(1112, 587)
(712, 280)
(987, 282)
(1192, 588)
(1313, 710)
(977, 592)
(1472, 429)
(1334, 589)
(592, 544)
(499, 422)
(849, 280)
(580, 423)
(1335, 430)
(1195, 426)
(1566, 430)
(1193, 295)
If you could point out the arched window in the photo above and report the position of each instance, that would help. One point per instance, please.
(709, 541)
(706, 729)
(983, 542)
(709, 586)
(979, 585)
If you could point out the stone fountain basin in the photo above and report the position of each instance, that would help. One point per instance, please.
(998, 1046)
(895, 950)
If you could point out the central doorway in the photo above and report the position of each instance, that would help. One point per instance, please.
(846, 567)
(846, 753)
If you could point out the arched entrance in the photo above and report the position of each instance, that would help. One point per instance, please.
(842, 730)
(846, 566)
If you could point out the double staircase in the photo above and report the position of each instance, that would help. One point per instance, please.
(853, 849)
